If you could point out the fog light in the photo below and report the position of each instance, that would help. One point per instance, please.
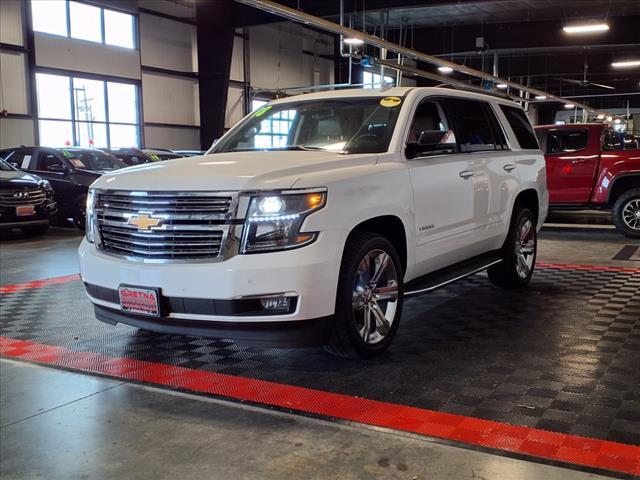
(276, 303)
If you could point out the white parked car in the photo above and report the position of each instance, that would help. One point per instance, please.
(312, 220)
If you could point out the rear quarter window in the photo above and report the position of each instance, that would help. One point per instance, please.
(566, 141)
(521, 127)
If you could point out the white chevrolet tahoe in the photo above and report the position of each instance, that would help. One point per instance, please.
(311, 221)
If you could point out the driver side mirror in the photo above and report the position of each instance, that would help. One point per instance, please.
(431, 142)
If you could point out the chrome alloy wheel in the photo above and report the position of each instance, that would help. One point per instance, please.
(375, 296)
(525, 248)
(631, 214)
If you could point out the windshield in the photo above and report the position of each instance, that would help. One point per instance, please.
(92, 159)
(349, 125)
(5, 167)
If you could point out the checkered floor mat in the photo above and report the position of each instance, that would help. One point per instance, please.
(563, 355)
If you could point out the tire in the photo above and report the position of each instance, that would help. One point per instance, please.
(625, 213)
(518, 253)
(350, 335)
(36, 231)
(79, 212)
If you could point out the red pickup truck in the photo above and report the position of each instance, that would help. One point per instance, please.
(588, 166)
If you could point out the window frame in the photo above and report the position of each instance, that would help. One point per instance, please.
(135, 25)
(105, 79)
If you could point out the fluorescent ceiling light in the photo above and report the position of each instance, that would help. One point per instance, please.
(626, 64)
(586, 28)
(445, 69)
(541, 97)
(609, 119)
(353, 41)
(569, 105)
(502, 86)
(601, 117)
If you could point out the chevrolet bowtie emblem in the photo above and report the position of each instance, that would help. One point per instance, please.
(144, 222)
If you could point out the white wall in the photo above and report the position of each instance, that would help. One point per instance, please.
(70, 54)
(172, 138)
(166, 43)
(13, 82)
(277, 59)
(15, 132)
(170, 99)
(235, 107)
(11, 22)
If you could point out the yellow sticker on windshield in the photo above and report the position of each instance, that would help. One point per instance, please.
(390, 101)
(262, 111)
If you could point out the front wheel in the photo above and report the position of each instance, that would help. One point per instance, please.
(518, 253)
(369, 298)
(626, 213)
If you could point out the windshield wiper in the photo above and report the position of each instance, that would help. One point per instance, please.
(300, 147)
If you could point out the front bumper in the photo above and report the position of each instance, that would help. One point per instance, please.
(42, 213)
(309, 273)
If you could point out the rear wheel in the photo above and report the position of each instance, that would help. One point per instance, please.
(626, 213)
(369, 298)
(35, 231)
(518, 253)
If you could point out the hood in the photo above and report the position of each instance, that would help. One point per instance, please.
(231, 171)
(18, 179)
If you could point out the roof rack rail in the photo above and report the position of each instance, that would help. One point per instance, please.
(473, 88)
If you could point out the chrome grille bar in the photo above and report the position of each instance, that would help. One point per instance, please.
(190, 225)
(14, 198)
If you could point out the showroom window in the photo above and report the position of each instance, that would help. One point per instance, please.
(87, 112)
(84, 22)
(374, 80)
(274, 130)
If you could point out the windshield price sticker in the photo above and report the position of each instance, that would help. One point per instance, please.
(390, 102)
(260, 112)
(77, 163)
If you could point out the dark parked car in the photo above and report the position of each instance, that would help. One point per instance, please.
(131, 156)
(70, 172)
(26, 201)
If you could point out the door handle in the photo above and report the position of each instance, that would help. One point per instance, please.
(509, 167)
(466, 174)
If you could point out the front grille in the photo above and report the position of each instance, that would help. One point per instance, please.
(191, 224)
(16, 198)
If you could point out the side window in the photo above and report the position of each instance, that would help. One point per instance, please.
(49, 162)
(20, 159)
(471, 125)
(430, 133)
(521, 127)
(566, 141)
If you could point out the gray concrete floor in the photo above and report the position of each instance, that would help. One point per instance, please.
(62, 425)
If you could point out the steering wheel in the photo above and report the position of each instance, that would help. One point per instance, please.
(366, 141)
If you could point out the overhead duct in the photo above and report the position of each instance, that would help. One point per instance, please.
(311, 20)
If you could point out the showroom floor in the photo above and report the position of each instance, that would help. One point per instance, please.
(542, 383)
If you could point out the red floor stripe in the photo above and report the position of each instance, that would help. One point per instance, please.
(601, 454)
(39, 283)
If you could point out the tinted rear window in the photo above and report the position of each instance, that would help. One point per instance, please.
(521, 127)
(566, 141)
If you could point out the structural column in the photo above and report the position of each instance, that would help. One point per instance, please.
(215, 33)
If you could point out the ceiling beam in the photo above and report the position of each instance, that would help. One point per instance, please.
(306, 19)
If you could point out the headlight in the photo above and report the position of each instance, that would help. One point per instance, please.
(44, 184)
(89, 223)
(273, 221)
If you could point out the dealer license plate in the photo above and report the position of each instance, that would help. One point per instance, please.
(25, 210)
(139, 300)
